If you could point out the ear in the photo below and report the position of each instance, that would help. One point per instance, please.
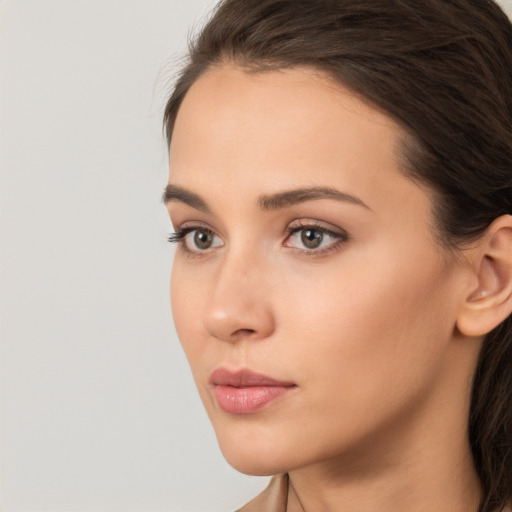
(489, 301)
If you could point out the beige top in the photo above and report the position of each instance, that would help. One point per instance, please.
(274, 498)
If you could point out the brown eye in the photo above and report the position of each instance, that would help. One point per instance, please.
(203, 239)
(314, 239)
(311, 238)
(200, 239)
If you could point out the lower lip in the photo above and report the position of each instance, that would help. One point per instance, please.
(248, 400)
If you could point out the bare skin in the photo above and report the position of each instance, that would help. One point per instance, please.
(377, 327)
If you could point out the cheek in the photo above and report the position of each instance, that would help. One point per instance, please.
(186, 306)
(367, 331)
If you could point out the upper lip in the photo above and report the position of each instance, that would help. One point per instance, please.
(244, 378)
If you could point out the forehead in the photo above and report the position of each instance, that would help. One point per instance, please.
(276, 130)
(297, 101)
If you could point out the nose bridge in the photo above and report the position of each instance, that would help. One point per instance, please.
(239, 305)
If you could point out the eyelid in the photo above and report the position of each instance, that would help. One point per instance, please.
(179, 236)
(340, 236)
(194, 224)
(325, 227)
(185, 228)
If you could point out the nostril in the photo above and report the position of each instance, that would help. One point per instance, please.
(243, 332)
(228, 318)
(239, 334)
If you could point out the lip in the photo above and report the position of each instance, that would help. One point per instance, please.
(245, 392)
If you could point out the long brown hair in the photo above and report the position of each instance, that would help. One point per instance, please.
(443, 70)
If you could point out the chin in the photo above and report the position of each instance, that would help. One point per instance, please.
(254, 464)
(255, 457)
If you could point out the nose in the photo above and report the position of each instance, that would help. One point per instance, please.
(239, 307)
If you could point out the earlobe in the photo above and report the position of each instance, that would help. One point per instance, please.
(489, 302)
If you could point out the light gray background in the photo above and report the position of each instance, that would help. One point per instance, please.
(99, 411)
(98, 408)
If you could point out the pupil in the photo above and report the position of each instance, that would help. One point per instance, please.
(311, 238)
(202, 239)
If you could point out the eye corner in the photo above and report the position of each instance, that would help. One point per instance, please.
(195, 239)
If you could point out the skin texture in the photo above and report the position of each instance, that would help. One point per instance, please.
(366, 326)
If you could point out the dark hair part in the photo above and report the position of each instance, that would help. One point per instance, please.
(443, 70)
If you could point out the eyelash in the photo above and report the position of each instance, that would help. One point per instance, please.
(342, 237)
(177, 236)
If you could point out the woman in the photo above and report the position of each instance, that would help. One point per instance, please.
(341, 190)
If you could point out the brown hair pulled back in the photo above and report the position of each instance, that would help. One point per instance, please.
(443, 70)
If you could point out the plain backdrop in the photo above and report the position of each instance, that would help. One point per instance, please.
(99, 412)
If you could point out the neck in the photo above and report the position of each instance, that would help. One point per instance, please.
(414, 491)
(425, 480)
(419, 463)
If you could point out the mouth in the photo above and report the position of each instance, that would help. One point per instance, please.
(246, 392)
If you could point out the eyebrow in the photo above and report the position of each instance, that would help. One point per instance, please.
(266, 202)
(292, 197)
(182, 195)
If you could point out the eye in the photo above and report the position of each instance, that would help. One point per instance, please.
(196, 238)
(314, 238)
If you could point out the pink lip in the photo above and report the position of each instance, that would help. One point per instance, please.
(244, 391)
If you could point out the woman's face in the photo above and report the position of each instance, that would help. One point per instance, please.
(314, 305)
